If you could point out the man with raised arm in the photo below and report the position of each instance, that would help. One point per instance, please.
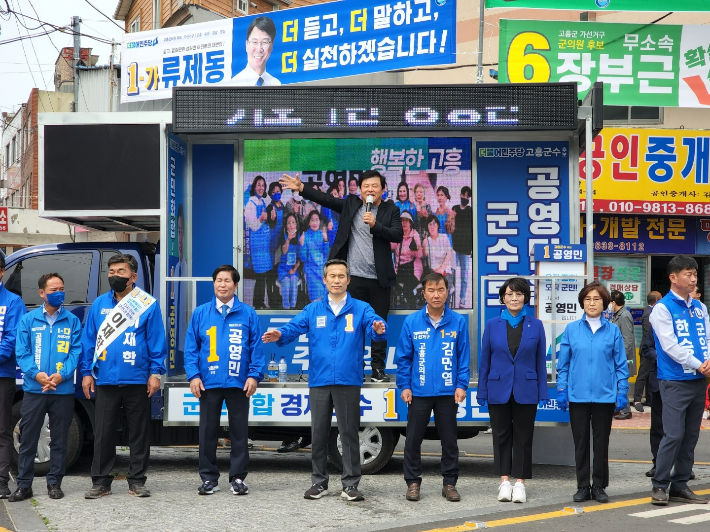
(336, 328)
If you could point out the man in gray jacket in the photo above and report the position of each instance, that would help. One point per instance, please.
(623, 319)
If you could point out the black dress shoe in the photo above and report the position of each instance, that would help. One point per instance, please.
(651, 472)
(288, 447)
(583, 494)
(599, 495)
(55, 491)
(688, 496)
(21, 494)
(659, 497)
(379, 375)
(638, 407)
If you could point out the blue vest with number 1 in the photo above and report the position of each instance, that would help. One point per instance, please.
(689, 328)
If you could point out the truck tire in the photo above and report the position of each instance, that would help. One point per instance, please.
(75, 441)
(376, 447)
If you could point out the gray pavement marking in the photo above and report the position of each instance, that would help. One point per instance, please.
(24, 517)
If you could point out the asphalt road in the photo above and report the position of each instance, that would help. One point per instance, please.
(277, 482)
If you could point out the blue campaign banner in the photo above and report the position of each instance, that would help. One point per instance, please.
(619, 233)
(324, 41)
(296, 353)
(523, 196)
(560, 253)
(176, 304)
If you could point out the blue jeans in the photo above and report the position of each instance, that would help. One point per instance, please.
(464, 264)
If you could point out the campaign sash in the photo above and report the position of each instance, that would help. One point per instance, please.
(122, 316)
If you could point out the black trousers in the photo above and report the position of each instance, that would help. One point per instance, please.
(656, 434)
(513, 425)
(238, 414)
(7, 397)
(136, 404)
(370, 291)
(445, 409)
(645, 368)
(600, 416)
(34, 407)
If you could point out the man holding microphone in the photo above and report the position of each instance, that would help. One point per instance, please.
(367, 228)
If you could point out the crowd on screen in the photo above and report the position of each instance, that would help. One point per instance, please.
(289, 241)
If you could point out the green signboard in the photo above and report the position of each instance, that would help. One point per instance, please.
(639, 64)
(606, 5)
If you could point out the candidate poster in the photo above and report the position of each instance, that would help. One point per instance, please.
(654, 65)
(288, 238)
(323, 41)
(605, 5)
(523, 196)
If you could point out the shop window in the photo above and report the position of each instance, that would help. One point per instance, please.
(620, 114)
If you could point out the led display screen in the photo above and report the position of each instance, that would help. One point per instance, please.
(483, 107)
(287, 238)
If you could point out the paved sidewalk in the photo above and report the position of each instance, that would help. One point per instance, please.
(643, 421)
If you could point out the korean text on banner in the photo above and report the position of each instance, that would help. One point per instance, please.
(639, 64)
(326, 41)
(650, 171)
(523, 200)
(605, 5)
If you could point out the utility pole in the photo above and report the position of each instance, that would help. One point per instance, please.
(482, 6)
(75, 21)
(112, 76)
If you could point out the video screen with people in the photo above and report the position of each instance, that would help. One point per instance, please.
(288, 238)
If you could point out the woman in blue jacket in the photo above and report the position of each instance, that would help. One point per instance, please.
(592, 378)
(512, 383)
(314, 252)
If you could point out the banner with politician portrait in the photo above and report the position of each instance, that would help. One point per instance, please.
(287, 238)
(325, 41)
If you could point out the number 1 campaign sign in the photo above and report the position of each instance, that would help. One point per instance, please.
(325, 41)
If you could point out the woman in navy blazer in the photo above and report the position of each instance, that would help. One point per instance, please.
(512, 383)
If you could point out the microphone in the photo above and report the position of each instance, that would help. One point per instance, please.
(368, 203)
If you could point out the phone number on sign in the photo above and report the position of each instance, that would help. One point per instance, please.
(650, 207)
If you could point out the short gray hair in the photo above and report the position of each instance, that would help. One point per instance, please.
(336, 261)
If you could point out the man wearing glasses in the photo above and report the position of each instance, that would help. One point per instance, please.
(260, 43)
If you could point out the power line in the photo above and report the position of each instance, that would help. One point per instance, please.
(110, 19)
(38, 67)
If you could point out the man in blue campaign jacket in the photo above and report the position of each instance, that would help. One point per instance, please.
(336, 335)
(433, 356)
(681, 331)
(48, 349)
(127, 373)
(11, 310)
(224, 359)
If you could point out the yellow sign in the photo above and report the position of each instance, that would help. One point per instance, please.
(650, 171)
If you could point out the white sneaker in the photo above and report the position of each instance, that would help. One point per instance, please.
(505, 492)
(519, 492)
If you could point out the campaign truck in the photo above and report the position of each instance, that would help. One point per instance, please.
(485, 171)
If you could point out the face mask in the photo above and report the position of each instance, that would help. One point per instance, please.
(296, 196)
(464, 201)
(384, 196)
(118, 283)
(610, 308)
(55, 299)
(276, 196)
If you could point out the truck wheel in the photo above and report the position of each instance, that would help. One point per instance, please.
(75, 441)
(376, 448)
